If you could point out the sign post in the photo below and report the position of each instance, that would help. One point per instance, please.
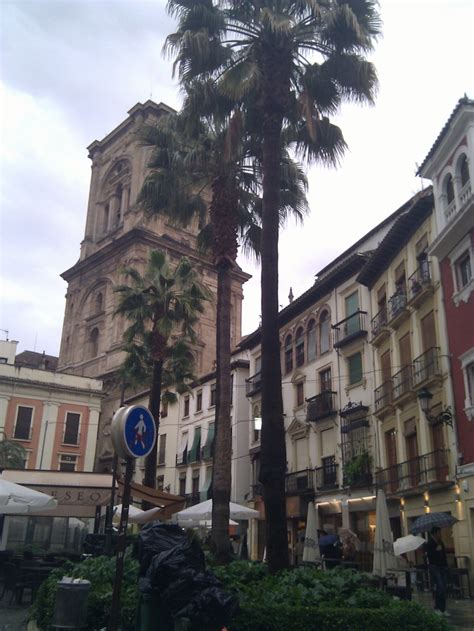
(133, 436)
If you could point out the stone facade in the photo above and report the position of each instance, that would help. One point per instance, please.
(118, 234)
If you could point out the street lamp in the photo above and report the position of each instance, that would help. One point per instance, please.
(445, 416)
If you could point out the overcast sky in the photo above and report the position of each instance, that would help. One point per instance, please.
(70, 71)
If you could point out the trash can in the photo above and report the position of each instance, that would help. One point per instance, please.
(70, 607)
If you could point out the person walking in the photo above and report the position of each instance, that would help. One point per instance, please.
(438, 567)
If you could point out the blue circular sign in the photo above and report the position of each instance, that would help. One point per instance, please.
(133, 431)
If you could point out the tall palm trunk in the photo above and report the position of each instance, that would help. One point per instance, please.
(273, 450)
(225, 253)
(154, 403)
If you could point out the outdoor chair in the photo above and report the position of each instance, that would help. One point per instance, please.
(13, 582)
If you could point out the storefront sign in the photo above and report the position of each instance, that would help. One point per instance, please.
(78, 496)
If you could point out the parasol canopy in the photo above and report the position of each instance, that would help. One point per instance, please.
(407, 544)
(426, 522)
(204, 511)
(16, 499)
(311, 547)
(384, 557)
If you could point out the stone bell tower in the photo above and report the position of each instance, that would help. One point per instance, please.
(119, 234)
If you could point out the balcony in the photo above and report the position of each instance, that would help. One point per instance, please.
(357, 471)
(253, 384)
(465, 194)
(403, 384)
(383, 398)
(326, 477)
(351, 328)
(427, 369)
(397, 307)
(414, 476)
(379, 328)
(420, 284)
(192, 499)
(300, 483)
(321, 406)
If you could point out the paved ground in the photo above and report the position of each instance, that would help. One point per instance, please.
(14, 617)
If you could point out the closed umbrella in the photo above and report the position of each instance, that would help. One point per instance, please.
(16, 499)
(311, 548)
(407, 544)
(426, 522)
(383, 546)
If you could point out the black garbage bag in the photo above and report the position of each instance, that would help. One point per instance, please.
(210, 609)
(172, 564)
(156, 538)
(187, 585)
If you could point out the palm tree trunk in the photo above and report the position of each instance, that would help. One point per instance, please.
(221, 481)
(154, 403)
(273, 449)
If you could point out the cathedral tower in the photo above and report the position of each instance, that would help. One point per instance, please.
(119, 234)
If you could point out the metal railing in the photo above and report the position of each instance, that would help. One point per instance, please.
(253, 384)
(192, 499)
(352, 326)
(379, 321)
(299, 482)
(428, 468)
(420, 278)
(321, 405)
(383, 395)
(426, 365)
(397, 303)
(326, 477)
(403, 381)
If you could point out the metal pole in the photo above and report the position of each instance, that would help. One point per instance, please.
(121, 546)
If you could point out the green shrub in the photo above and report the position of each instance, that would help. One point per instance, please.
(100, 571)
(399, 616)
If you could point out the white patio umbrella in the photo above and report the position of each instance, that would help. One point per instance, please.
(16, 499)
(311, 552)
(384, 557)
(135, 515)
(204, 511)
(407, 544)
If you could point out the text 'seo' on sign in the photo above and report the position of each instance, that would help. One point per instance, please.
(133, 431)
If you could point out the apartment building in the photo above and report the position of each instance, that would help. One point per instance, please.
(449, 165)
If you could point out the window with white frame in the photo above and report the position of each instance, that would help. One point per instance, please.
(67, 462)
(24, 417)
(467, 365)
(71, 428)
(462, 266)
(162, 449)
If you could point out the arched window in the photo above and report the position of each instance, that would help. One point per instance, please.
(311, 343)
(299, 346)
(98, 302)
(288, 354)
(324, 332)
(464, 171)
(449, 189)
(94, 342)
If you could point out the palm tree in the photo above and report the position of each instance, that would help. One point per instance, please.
(12, 455)
(204, 157)
(163, 306)
(298, 60)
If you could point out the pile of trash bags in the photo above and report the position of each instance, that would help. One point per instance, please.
(174, 580)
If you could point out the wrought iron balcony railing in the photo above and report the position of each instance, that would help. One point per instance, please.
(383, 395)
(326, 477)
(299, 482)
(192, 499)
(321, 406)
(350, 328)
(253, 384)
(427, 469)
(420, 278)
(403, 381)
(427, 365)
(397, 303)
(379, 321)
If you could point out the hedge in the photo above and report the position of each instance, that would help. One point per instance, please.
(399, 616)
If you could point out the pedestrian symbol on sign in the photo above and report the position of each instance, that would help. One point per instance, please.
(140, 431)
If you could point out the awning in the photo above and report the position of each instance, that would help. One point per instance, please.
(182, 448)
(169, 504)
(208, 450)
(193, 455)
(204, 493)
